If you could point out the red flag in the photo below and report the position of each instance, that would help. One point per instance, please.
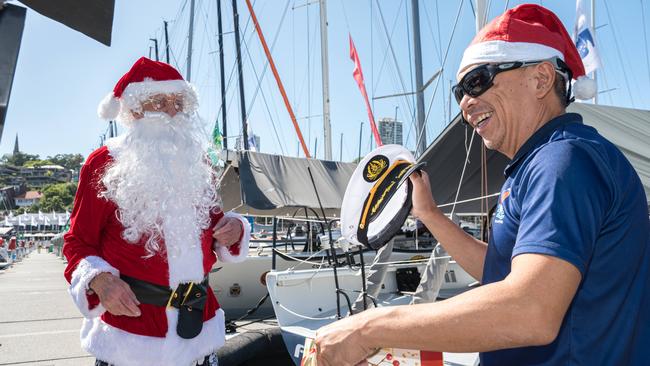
(358, 76)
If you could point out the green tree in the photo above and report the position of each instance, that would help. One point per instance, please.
(57, 197)
(36, 163)
(68, 161)
(18, 159)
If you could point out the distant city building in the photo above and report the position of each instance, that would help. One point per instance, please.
(390, 131)
(39, 177)
(28, 198)
(253, 143)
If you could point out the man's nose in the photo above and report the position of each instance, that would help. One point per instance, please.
(170, 109)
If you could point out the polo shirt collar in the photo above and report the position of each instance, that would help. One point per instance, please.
(540, 136)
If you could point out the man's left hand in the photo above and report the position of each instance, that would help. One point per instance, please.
(227, 231)
(341, 344)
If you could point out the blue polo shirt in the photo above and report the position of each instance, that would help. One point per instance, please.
(571, 194)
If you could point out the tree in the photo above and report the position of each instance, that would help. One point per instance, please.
(68, 161)
(58, 197)
(18, 159)
(36, 163)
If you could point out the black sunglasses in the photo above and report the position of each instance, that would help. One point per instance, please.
(480, 79)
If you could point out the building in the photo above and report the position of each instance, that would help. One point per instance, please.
(390, 131)
(28, 198)
(39, 177)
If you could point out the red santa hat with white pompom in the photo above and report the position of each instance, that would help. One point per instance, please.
(528, 32)
(145, 79)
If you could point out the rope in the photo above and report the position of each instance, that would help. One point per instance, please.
(453, 31)
(618, 52)
(462, 174)
(470, 200)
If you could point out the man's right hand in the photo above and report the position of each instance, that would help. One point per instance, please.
(423, 203)
(115, 295)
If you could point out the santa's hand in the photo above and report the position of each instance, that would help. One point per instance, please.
(115, 295)
(227, 231)
(340, 343)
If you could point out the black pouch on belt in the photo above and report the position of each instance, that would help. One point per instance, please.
(188, 298)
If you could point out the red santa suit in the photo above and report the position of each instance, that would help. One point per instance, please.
(95, 244)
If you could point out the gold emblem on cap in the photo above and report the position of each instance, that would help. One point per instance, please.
(375, 168)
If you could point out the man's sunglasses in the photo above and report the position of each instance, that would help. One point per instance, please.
(480, 79)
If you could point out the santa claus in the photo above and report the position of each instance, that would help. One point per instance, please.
(146, 229)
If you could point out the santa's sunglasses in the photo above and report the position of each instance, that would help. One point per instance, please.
(480, 79)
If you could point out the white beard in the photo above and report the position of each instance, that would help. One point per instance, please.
(162, 182)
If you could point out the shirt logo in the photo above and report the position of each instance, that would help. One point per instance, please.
(500, 213)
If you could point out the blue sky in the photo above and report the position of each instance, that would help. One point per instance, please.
(62, 75)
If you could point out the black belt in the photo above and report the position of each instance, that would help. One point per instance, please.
(188, 298)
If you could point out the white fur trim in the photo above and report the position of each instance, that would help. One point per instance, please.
(585, 88)
(186, 266)
(109, 107)
(86, 270)
(224, 254)
(122, 348)
(502, 51)
(151, 87)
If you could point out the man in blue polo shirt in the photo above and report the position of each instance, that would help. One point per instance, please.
(566, 274)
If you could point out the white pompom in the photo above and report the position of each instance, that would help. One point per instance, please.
(109, 107)
(584, 88)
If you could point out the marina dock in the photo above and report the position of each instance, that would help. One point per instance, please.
(39, 324)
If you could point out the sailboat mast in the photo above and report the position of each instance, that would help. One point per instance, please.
(593, 33)
(189, 43)
(224, 128)
(327, 128)
(166, 42)
(481, 16)
(242, 101)
(421, 136)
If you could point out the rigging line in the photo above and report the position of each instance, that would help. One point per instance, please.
(435, 90)
(462, 174)
(438, 52)
(345, 16)
(487, 12)
(392, 51)
(266, 63)
(444, 61)
(618, 51)
(506, 7)
(471, 4)
(259, 83)
(234, 64)
(396, 86)
(645, 39)
(470, 199)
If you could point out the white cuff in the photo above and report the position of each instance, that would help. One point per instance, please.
(86, 270)
(224, 254)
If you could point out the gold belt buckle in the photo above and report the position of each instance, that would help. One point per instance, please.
(174, 295)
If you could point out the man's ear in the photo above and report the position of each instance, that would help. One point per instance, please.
(544, 76)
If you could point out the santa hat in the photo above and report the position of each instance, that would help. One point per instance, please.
(528, 32)
(146, 78)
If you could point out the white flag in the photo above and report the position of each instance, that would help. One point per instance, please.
(7, 223)
(40, 215)
(46, 221)
(584, 40)
(33, 223)
(252, 143)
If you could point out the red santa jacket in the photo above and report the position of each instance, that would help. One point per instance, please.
(94, 244)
